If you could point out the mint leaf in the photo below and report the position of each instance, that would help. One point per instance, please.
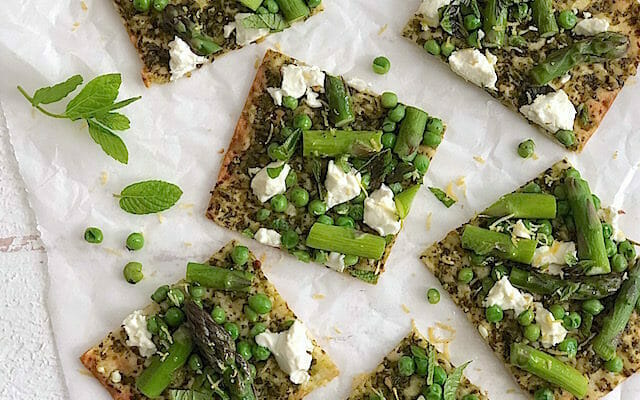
(52, 94)
(453, 381)
(149, 197)
(115, 121)
(109, 141)
(98, 94)
(442, 196)
(185, 394)
(114, 106)
(275, 171)
(274, 22)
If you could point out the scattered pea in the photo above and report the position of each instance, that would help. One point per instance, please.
(290, 102)
(389, 99)
(526, 148)
(433, 296)
(153, 326)
(619, 263)
(176, 296)
(593, 306)
(567, 19)
(197, 292)
(389, 139)
(543, 394)
(471, 22)
(381, 65)
(160, 5)
(614, 365)
(494, 314)
(569, 346)
(291, 179)
(302, 121)
(142, 5)
(160, 294)
(572, 321)
(260, 353)
(432, 47)
(433, 392)
(532, 187)
(93, 235)
(447, 48)
(388, 125)
(135, 241)
(431, 139)
(439, 375)
(325, 219)
(240, 255)
(232, 329)
(465, 275)
(350, 260)
(557, 311)
(260, 303)
(279, 203)
(406, 366)
(345, 221)
(174, 317)
(290, 239)
(244, 349)
(607, 230)
(250, 315)
(421, 162)
(257, 329)
(532, 332)
(396, 114)
(195, 362)
(317, 207)
(627, 250)
(567, 138)
(299, 197)
(526, 318)
(133, 272)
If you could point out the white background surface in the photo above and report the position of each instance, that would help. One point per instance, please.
(177, 132)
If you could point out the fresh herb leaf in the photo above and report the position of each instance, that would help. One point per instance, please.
(182, 394)
(115, 106)
(418, 352)
(274, 22)
(109, 141)
(442, 196)
(149, 197)
(55, 93)
(431, 367)
(274, 172)
(99, 93)
(286, 150)
(316, 167)
(378, 166)
(115, 121)
(453, 381)
(399, 172)
(452, 20)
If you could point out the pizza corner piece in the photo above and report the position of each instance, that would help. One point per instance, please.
(551, 283)
(415, 370)
(176, 37)
(322, 168)
(560, 64)
(222, 333)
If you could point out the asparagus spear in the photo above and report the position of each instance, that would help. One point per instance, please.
(340, 112)
(158, 375)
(411, 132)
(544, 17)
(333, 143)
(549, 368)
(483, 241)
(495, 23)
(598, 48)
(345, 240)
(524, 205)
(607, 340)
(583, 289)
(293, 10)
(218, 278)
(176, 22)
(588, 226)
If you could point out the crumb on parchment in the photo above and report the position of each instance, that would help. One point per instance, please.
(318, 296)
(383, 29)
(429, 217)
(83, 5)
(479, 159)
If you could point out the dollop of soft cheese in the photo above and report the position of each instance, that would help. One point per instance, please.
(475, 67)
(554, 257)
(335, 261)
(612, 217)
(341, 186)
(298, 80)
(552, 111)
(521, 231)
(268, 237)
(244, 35)
(429, 9)
(358, 84)
(380, 212)
(135, 325)
(506, 296)
(265, 187)
(292, 350)
(591, 26)
(552, 331)
(182, 60)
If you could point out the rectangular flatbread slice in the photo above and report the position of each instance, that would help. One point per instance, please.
(543, 274)
(175, 37)
(323, 169)
(132, 350)
(405, 372)
(558, 63)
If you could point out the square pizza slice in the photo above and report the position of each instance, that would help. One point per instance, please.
(551, 283)
(558, 63)
(222, 333)
(323, 169)
(415, 370)
(175, 37)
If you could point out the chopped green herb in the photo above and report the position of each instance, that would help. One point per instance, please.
(442, 196)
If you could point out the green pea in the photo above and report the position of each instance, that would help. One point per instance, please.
(389, 140)
(142, 5)
(607, 230)
(614, 365)
(381, 65)
(325, 219)
(569, 346)
(262, 10)
(317, 207)
(472, 39)
(153, 326)
(433, 392)
(176, 296)
(350, 260)
(291, 179)
(471, 22)
(526, 148)
(465, 275)
(195, 362)
(271, 5)
(357, 212)
(557, 311)
(567, 138)
(389, 99)
(244, 349)
(494, 314)
(572, 321)
(260, 353)
(260, 303)
(135, 241)
(619, 263)
(532, 332)
(567, 19)
(406, 366)
(93, 235)
(262, 214)
(526, 318)
(290, 239)
(299, 197)
(250, 315)
(396, 114)
(232, 329)
(432, 47)
(302, 121)
(433, 296)
(532, 187)
(197, 292)
(593, 306)
(545, 227)
(257, 329)
(160, 5)
(435, 126)
(422, 365)
(133, 272)
(345, 221)
(439, 375)
(160, 294)
(279, 203)
(313, 3)
(388, 126)
(627, 250)
(240, 255)
(447, 48)
(174, 317)
(543, 394)
(431, 139)
(289, 102)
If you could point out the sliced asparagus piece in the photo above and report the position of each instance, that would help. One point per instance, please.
(484, 242)
(252, 4)
(340, 112)
(411, 132)
(495, 23)
(293, 10)
(598, 48)
(404, 199)
(588, 226)
(524, 205)
(345, 240)
(218, 278)
(544, 17)
(176, 22)
(549, 368)
(607, 340)
(333, 143)
(583, 289)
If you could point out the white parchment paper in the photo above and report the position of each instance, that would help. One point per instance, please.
(179, 132)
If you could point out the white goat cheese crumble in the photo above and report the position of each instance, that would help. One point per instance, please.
(554, 257)
(298, 80)
(474, 67)
(591, 26)
(612, 217)
(551, 329)
(507, 297)
(341, 186)
(265, 187)
(182, 59)
(380, 212)
(429, 9)
(245, 36)
(268, 237)
(335, 261)
(135, 326)
(552, 111)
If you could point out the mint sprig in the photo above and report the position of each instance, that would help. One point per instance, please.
(94, 104)
(148, 197)
(275, 22)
